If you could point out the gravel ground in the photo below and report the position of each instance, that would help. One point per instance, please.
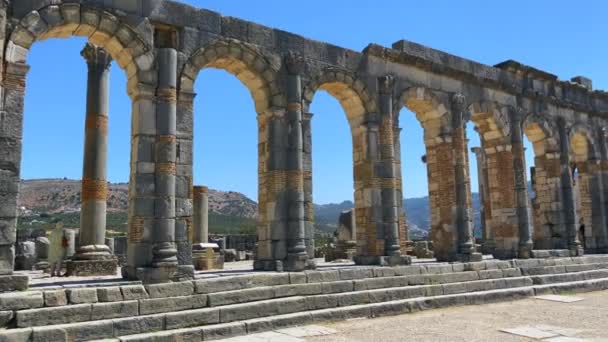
(482, 323)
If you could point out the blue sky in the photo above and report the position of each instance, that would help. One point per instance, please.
(562, 37)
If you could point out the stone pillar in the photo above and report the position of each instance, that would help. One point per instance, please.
(463, 206)
(522, 198)
(487, 235)
(201, 215)
(390, 209)
(93, 252)
(271, 249)
(569, 208)
(152, 249)
(184, 181)
(403, 227)
(282, 232)
(591, 199)
(309, 206)
(297, 255)
(602, 175)
(11, 124)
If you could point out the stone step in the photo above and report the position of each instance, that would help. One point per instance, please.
(569, 277)
(260, 315)
(371, 310)
(558, 269)
(145, 305)
(104, 328)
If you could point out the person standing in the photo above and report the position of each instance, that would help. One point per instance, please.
(58, 248)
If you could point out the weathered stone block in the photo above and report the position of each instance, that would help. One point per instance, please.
(158, 305)
(115, 310)
(178, 289)
(192, 318)
(55, 298)
(338, 286)
(109, 294)
(12, 282)
(138, 325)
(222, 284)
(19, 301)
(133, 292)
(5, 318)
(82, 295)
(50, 316)
(16, 335)
(241, 296)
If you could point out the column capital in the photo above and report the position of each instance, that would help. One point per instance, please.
(386, 84)
(460, 114)
(371, 120)
(96, 56)
(295, 63)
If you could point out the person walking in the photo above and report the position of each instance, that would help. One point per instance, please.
(58, 248)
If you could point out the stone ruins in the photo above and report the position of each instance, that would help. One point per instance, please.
(162, 45)
(529, 247)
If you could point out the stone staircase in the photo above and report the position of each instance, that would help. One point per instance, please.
(208, 309)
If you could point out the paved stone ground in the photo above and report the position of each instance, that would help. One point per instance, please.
(585, 320)
(548, 320)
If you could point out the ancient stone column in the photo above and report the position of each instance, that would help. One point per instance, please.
(487, 242)
(201, 215)
(568, 206)
(463, 210)
(297, 255)
(389, 191)
(94, 183)
(522, 198)
(309, 209)
(12, 89)
(164, 252)
(602, 175)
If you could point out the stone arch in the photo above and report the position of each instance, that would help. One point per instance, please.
(257, 72)
(542, 133)
(350, 91)
(430, 111)
(103, 29)
(582, 143)
(491, 119)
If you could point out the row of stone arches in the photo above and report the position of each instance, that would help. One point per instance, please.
(162, 91)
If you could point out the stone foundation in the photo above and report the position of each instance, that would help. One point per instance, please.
(383, 260)
(13, 282)
(88, 268)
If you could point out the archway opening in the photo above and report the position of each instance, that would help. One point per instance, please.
(332, 173)
(55, 111)
(344, 165)
(580, 150)
(475, 173)
(225, 152)
(414, 175)
(544, 182)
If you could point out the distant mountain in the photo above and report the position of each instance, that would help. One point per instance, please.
(230, 211)
(63, 195)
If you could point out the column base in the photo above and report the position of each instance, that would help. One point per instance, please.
(470, 257)
(524, 251)
(14, 282)
(151, 275)
(577, 251)
(290, 264)
(184, 273)
(88, 268)
(383, 260)
(488, 247)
